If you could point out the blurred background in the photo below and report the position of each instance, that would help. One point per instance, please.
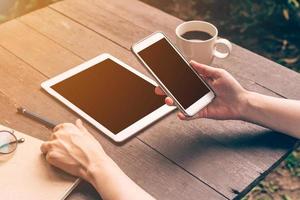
(270, 28)
(10, 9)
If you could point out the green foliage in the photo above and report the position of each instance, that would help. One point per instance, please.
(270, 28)
(286, 197)
(292, 163)
(272, 188)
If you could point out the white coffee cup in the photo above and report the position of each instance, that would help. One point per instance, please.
(202, 51)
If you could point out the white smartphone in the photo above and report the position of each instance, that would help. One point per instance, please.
(173, 73)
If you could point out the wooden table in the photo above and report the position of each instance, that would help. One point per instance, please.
(201, 159)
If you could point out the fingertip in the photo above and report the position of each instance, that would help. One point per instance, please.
(80, 125)
(49, 157)
(200, 65)
(197, 66)
(78, 122)
(158, 91)
(181, 116)
(169, 101)
(43, 148)
(56, 127)
(195, 63)
(205, 70)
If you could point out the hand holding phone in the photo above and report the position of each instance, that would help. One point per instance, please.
(173, 73)
(230, 100)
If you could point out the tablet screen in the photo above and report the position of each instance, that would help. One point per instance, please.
(112, 95)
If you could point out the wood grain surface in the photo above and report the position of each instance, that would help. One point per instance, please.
(23, 85)
(201, 159)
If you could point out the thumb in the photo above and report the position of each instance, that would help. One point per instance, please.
(79, 124)
(205, 70)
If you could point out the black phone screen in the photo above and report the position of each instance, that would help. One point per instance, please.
(174, 72)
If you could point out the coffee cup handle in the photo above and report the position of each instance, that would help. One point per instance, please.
(225, 43)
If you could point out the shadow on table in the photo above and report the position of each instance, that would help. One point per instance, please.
(212, 147)
(266, 139)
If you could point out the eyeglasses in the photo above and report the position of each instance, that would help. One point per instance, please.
(9, 142)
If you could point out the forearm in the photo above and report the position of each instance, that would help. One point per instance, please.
(113, 184)
(282, 115)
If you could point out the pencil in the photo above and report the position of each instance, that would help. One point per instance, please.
(36, 117)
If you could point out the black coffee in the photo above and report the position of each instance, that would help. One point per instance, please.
(196, 35)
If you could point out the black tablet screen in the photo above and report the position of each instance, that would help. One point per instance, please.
(110, 94)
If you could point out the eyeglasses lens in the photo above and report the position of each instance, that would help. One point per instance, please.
(8, 142)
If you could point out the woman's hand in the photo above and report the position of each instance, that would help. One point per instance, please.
(73, 149)
(230, 95)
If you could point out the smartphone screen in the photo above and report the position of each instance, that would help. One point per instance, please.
(174, 72)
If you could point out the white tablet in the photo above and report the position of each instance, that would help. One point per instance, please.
(115, 98)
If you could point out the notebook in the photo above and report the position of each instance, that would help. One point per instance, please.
(25, 174)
